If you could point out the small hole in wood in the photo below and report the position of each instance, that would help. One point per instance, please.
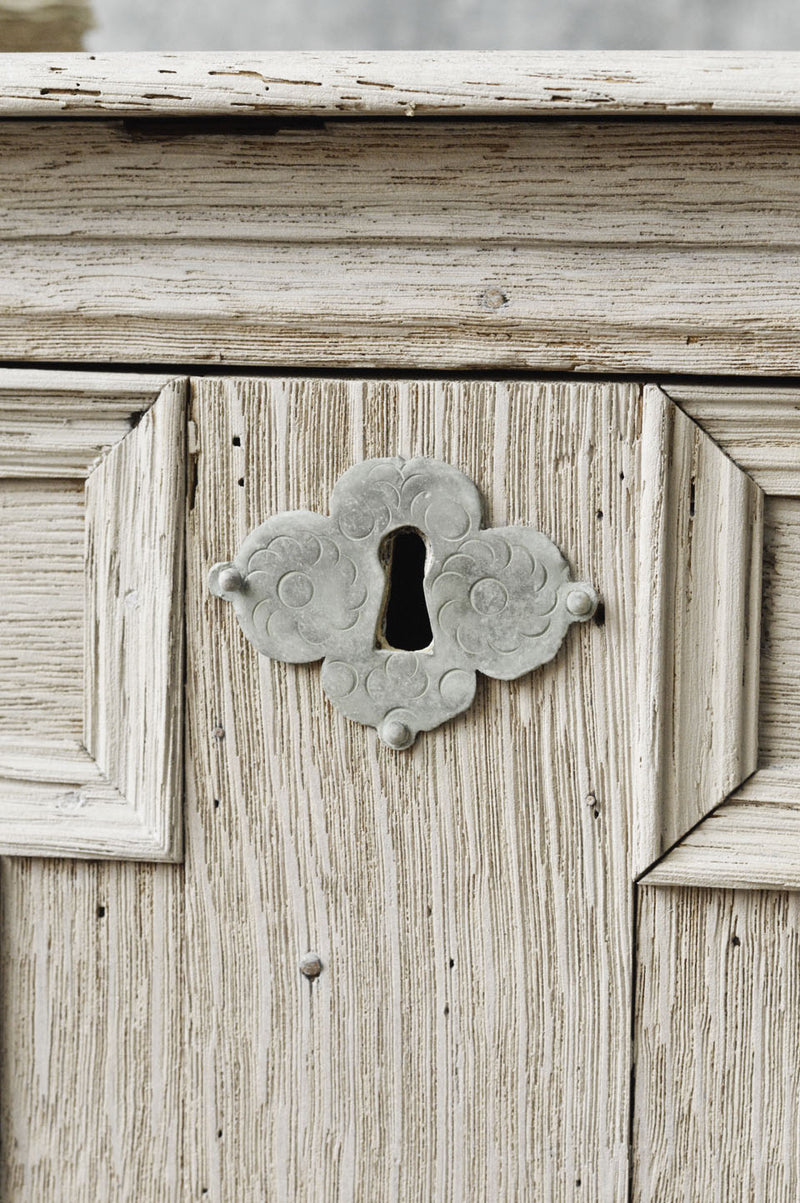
(237, 442)
(101, 912)
(404, 624)
(599, 514)
(240, 482)
(735, 941)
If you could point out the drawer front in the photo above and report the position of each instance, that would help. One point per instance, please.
(616, 246)
(380, 973)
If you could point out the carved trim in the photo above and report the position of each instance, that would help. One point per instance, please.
(99, 796)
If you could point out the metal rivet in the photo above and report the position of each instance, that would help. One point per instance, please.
(581, 603)
(396, 734)
(230, 579)
(311, 965)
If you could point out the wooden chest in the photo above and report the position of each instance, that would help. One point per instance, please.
(552, 951)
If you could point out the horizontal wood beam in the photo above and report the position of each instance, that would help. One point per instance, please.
(498, 83)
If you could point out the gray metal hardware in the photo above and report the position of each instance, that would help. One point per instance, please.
(307, 587)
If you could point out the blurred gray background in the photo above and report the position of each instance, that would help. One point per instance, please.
(390, 25)
(445, 25)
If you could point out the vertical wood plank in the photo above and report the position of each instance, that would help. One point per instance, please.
(90, 1031)
(717, 1100)
(469, 1034)
(780, 656)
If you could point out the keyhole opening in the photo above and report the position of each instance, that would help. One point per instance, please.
(405, 624)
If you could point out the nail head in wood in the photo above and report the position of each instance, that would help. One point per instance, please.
(311, 965)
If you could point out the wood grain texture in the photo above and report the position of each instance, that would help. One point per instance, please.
(60, 424)
(577, 247)
(469, 899)
(751, 842)
(90, 1032)
(41, 617)
(698, 596)
(91, 636)
(779, 707)
(133, 700)
(388, 83)
(717, 1099)
(759, 428)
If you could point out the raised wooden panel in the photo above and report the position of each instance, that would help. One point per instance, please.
(41, 617)
(92, 636)
(699, 599)
(751, 842)
(579, 247)
(717, 1082)
(779, 710)
(759, 428)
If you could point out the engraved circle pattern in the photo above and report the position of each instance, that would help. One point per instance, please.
(307, 587)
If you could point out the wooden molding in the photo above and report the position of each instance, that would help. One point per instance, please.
(93, 793)
(698, 627)
(759, 428)
(751, 842)
(389, 84)
(561, 246)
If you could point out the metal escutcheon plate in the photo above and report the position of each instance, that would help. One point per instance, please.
(307, 587)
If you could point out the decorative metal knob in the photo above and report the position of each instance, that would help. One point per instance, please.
(498, 601)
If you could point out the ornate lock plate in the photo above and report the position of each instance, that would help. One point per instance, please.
(306, 587)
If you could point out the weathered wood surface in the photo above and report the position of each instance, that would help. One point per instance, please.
(91, 1042)
(420, 879)
(751, 842)
(698, 590)
(717, 1096)
(41, 616)
(91, 631)
(391, 83)
(759, 428)
(779, 708)
(60, 424)
(134, 634)
(615, 246)
(470, 899)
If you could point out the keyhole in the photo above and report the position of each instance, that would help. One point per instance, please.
(405, 624)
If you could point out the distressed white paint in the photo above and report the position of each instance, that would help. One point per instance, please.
(616, 247)
(386, 84)
(751, 842)
(717, 1117)
(91, 636)
(758, 427)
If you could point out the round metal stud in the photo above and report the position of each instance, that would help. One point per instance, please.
(581, 603)
(396, 734)
(230, 579)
